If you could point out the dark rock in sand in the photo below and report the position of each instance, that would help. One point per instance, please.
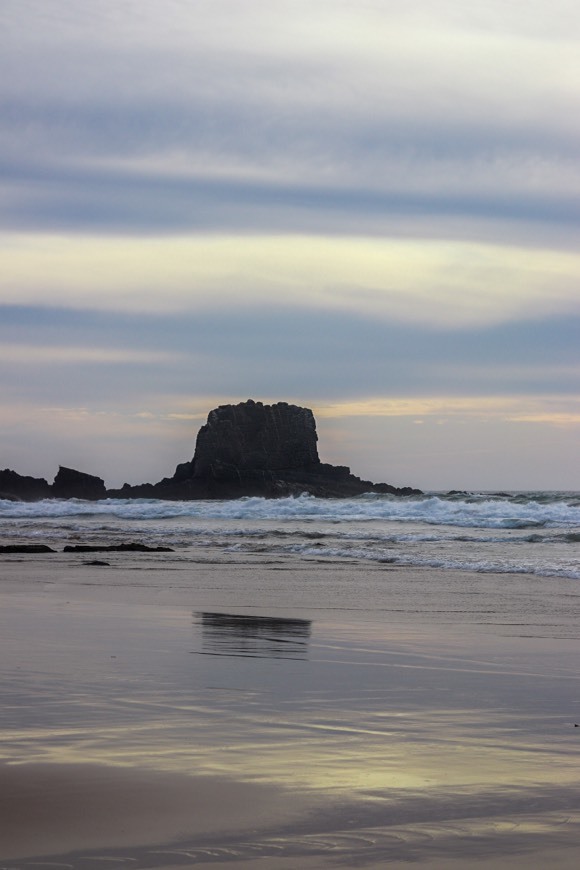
(98, 564)
(70, 483)
(18, 487)
(114, 548)
(252, 449)
(26, 548)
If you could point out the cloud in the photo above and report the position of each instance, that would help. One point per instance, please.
(315, 349)
(34, 355)
(439, 284)
(551, 410)
(297, 117)
(447, 198)
(220, 49)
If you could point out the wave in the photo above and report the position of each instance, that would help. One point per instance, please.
(327, 552)
(470, 510)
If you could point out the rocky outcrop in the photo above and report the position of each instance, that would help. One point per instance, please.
(70, 483)
(18, 487)
(252, 449)
(249, 449)
(252, 436)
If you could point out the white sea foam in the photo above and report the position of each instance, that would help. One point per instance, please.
(520, 533)
(480, 511)
(570, 569)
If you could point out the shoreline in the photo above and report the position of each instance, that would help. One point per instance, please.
(364, 590)
(489, 534)
(293, 711)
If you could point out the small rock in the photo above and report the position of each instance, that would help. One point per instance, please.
(26, 548)
(114, 548)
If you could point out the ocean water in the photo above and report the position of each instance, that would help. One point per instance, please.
(535, 533)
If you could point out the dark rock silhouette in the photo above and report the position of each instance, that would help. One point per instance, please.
(249, 449)
(251, 436)
(252, 449)
(69, 483)
(18, 487)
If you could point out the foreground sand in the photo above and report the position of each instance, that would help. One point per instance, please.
(305, 715)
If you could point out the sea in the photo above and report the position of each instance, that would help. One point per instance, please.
(536, 533)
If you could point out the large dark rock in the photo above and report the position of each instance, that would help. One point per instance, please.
(255, 437)
(70, 483)
(251, 449)
(18, 487)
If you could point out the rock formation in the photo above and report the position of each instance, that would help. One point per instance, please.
(18, 487)
(262, 450)
(252, 436)
(69, 483)
(249, 449)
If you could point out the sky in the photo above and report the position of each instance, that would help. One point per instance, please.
(366, 207)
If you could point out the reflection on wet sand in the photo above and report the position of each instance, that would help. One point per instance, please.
(366, 743)
(56, 809)
(82, 816)
(230, 634)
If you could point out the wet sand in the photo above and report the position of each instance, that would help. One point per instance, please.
(162, 714)
(49, 809)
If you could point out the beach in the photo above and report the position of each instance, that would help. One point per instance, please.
(245, 708)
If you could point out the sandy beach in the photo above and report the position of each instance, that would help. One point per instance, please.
(159, 713)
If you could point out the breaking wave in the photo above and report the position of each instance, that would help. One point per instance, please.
(483, 511)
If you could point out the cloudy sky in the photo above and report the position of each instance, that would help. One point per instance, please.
(368, 207)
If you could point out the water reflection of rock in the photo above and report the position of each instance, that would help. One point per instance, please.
(229, 634)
